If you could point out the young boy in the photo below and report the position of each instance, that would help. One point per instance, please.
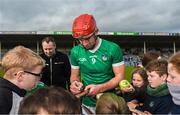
(173, 81)
(22, 70)
(158, 100)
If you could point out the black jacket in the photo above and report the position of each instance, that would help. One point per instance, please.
(157, 105)
(10, 97)
(157, 101)
(57, 70)
(175, 109)
(139, 94)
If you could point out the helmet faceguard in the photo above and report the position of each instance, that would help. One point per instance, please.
(84, 26)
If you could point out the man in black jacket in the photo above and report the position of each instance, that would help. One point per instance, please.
(57, 69)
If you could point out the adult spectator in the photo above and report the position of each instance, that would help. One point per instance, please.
(57, 70)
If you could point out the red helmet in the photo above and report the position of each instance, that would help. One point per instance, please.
(83, 25)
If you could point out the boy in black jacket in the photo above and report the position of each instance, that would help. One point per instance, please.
(158, 100)
(22, 71)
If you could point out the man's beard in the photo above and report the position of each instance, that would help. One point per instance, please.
(91, 47)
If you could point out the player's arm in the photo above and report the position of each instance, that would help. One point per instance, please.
(76, 85)
(117, 67)
(119, 75)
(74, 75)
(75, 81)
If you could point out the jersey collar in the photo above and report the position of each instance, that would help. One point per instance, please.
(96, 47)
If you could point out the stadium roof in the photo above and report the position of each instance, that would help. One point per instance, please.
(100, 33)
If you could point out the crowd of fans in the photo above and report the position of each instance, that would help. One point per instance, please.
(149, 92)
(133, 57)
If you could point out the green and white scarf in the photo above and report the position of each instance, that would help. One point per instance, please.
(162, 90)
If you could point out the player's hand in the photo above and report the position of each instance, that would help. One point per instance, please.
(93, 89)
(76, 87)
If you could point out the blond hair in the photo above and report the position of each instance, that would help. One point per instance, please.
(21, 57)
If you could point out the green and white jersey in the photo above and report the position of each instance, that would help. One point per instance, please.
(96, 65)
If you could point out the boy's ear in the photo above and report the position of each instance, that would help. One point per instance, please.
(164, 76)
(19, 76)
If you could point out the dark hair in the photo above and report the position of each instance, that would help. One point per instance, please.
(48, 39)
(158, 65)
(54, 100)
(142, 73)
(149, 56)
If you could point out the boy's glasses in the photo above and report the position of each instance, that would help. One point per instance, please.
(35, 74)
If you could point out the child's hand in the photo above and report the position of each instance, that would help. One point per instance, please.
(128, 89)
(118, 91)
(131, 105)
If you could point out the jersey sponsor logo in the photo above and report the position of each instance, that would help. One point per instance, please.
(93, 59)
(82, 59)
(104, 57)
